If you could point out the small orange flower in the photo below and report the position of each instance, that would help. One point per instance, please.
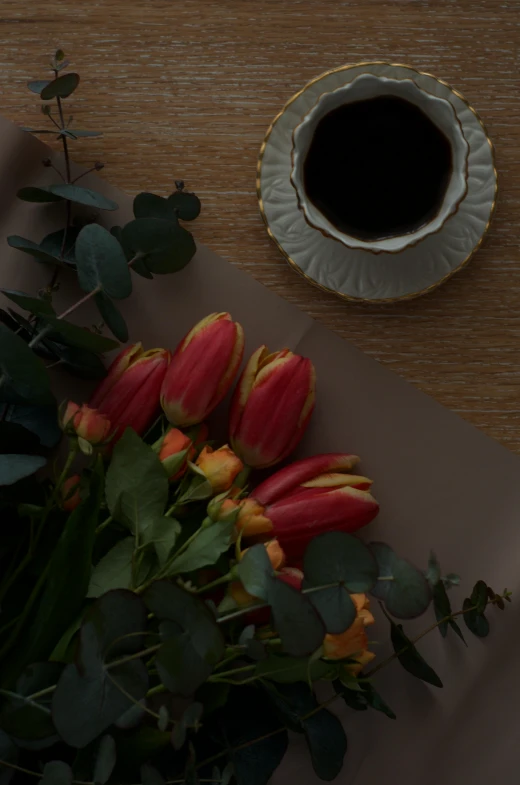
(87, 423)
(70, 496)
(354, 641)
(174, 443)
(221, 467)
(251, 519)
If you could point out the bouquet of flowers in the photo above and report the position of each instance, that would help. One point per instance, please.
(169, 603)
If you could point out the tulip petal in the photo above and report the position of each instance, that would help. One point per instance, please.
(123, 360)
(299, 472)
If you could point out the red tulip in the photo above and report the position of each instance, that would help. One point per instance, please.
(202, 369)
(271, 406)
(307, 498)
(129, 395)
(85, 422)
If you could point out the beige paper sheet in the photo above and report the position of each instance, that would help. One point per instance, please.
(441, 484)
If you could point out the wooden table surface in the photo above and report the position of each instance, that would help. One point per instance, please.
(186, 88)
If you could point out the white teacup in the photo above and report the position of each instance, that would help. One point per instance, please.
(438, 110)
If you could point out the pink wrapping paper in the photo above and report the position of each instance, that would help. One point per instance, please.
(441, 484)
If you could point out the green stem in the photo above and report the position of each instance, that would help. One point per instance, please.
(104, 525)
(217, 582)
(225, 674)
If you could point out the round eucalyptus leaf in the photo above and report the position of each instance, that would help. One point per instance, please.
(295, 619)
(37, 85)
(52, 243)
(327, 744)
(112, 317)
(147, 205)
(403, 587)
(163, 246)
(334, 606)
(186, 205)
(105, 760)
(475, 622)
(79, 362)
(56, 772)
(180, 667)
(101, 262)
(39, 252)
(34, 194)
(340, 557)
(138, 265)
(80, 195)
(254, 570)
(61, 87)
(479, 596)
(78, 133)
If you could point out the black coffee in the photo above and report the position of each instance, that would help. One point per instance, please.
(377, 168)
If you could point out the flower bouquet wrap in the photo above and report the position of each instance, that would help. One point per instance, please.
(174, 606)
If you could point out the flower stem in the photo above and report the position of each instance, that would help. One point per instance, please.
(217, 582)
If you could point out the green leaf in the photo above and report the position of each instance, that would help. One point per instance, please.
(80, 195)
(186, 204)
(405, 592)
(52, 243)
(295, 619)
(360, 699)
(335, 607)
(162, 534)
(284, 669)
(479, 596)
(105, 760)
(33, 304)
(9, 753)
(61, 87)
(95, 682)
(138, 265)
(37, 85)
(15, 467)
(101, 263)
(475, 622)
(147, 205)
(114, 570)
(410, 658)
(185, 659)
(112, 317)
(79, 362)
(80, 337)
(337, 556)
(136, 484)
(254, 570)
(23, 718)
(40, 252)
(32, 193)
(56, 772)
(442, 608)
(327, 744)
(205, 549)
(165, 247)
(150, 776)
(255, 763)
(25, 370)
(68, 576)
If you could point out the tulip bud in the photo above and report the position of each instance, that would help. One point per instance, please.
(307, 498)
(353, 643)
(202, 369)
(69, 491)
(271, 406)
(129, 395)
(175, 450)
(88, 424)
(220, 467)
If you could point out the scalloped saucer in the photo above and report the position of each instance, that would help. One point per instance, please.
(359, 275)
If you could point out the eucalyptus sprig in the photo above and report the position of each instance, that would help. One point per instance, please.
(31, 344)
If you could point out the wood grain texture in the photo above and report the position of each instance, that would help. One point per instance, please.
(187, 89)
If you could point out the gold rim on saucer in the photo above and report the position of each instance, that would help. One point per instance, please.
(296, 267)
